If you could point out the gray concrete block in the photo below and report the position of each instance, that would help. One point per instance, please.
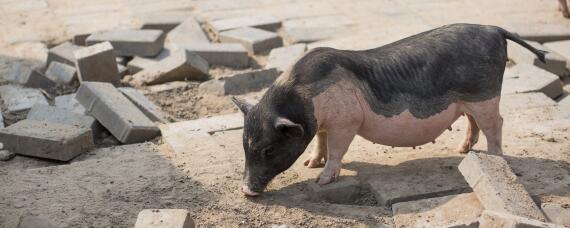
(46, 139)
(261, 21)
(555, 63)
(41, 112)
(97, 63)
(493, 219)
(556, 213)
(562, 48)
(32, 221)
(35, 79)
(115, 112)
(151, 110)
(79, 39)
(123, 70)
(525, 78)
(240, 83)
(62, 53)
(163, 20)
(284, 57)
(61, 73)
(497, 187)
(181, 65)
(131, 42)
(138, 63)
(69, 103)
(254, 40)
(462, 210)
(171, 218)
(230, 55)
(187, 33)
(345, 190)
(18, 99)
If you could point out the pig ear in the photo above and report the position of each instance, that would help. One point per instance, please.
(244, 106)
(289, 128)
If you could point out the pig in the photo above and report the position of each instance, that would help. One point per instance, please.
(403, 94)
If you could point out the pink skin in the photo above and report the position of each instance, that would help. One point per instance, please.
(342, 113)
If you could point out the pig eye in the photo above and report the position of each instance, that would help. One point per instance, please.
(267, 152)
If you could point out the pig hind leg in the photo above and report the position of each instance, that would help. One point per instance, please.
(319, 151)
(489, 120)
(472, 135)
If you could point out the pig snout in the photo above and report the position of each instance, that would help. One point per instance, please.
(245, 189)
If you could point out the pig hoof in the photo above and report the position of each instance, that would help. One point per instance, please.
(313, 163)
(462, 150)
(325, 180)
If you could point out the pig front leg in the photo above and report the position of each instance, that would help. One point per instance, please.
(338, 141)
(319, 151)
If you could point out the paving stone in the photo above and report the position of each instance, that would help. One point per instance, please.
(461, 210)
(123, 70)
(6, 155)
(115, 112)
(562, 48)
(69, 103)
(261, 21)
(42, 112)
(409, 182)
(345, 190)
(210, 124)
(163, 20)
(97, 63)
(166, 87)
(240, 83)
(46, 139)
(525, 78)
(181, 65)
(557, 214)
(79, 39)
(151, 110)
(61, 73)
(230, 55)
(555, 63)
(540, 32)
(18, 99)
(164, 218)
(311, 29)
(282, 58)
(139, 63)
(497, 187)
(187, 33)
(254, 40)
(63, 53)
(35, 79)
(131, 42)
(492, 219)
(32, 221)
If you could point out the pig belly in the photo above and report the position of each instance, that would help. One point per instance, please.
(405, 130)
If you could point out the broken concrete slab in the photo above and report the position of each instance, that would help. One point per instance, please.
(261, 21)
(254, 40)
(187, 33)
(131, 42)
(410, 181)
(181, 65)
(63, 53)
(526, 78)
(556, 213)
(240, 83)
(32, 221)
(171, 218)
(61, 73)
(41, 112)
(209, 125)
(18, 99)
(69, 103)
(151, 110)
(282, 58)
(497, 187)
(462, 210)
(230, 55)
(555, 63)
(46, 139)
(79, 39)
(493, 219)
(97, 63)
(163, 20)
(115, 112)
(140, 63)
(345, 190)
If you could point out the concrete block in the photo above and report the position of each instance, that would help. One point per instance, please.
(32, 221)
(230, 55)
(462, 210)
(555, 63)
(69, 103)
(415, 181)
(151, 110)
(240, 83)
(123, 70)
(562, 48)
(46, 139)
(131, 42)
(163, 20)
(345, 190)
(61, 73)
(79, 39)
(181, 65)
(164, 218)
(41, 112)
(254, 40)
(261, 21)
(284, 57)
(97, 63)
(557, 214)
(166, 87)
(493, 219)
(497, 187)
(18, 99)
(187, 33)
(539, 31)
(525, 78)
(63, 53)
(35, 79)
(140, 63)
(115, 112)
